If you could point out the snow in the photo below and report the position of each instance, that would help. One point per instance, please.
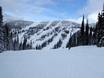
(32, 25)
(78, 62)
(71, 32)
(48, 31)
(44, 33)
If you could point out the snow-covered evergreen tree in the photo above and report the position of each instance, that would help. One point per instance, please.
(99, 31)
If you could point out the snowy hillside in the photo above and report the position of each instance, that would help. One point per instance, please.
(79, 62)
(48, 35)
(18, 24)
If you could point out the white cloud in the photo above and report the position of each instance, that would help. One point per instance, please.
(91, 9)
(92, 6)
(25, 8)
(33, 9)
(28, 9)
(93, 17)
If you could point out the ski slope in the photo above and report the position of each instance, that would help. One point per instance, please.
(78, 62)
(48, 33)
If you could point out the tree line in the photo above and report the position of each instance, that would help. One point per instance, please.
(89, 35)
(9, 40)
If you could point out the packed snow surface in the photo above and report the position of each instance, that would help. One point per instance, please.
(79, 62)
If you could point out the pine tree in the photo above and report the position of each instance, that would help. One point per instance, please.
(20, 46)
(6, 36)
(1, 17)
(87, 33)
(82, 30)
(1, 31)
(25, 43)
(14, 44)
(99, 31)
(82, 27)
(11, 41)
(17, 42)
(91, 37)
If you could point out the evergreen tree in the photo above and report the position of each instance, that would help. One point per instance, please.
(1, 17)
(20, 46)
(17, 42)
(99, 31)
(87, 33)
(91, 37)
(82, 36)
(11, 41)
(1, 31)
(14, 44)
(6, 36)
(30, 44)
(82, 27)
(25, 43)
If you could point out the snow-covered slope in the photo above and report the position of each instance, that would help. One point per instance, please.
(47, 35)
(78, 62)
(18, 24)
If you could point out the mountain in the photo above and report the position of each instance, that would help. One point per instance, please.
(8, 17)
(49, 34)
(19, 23)
(15, 22)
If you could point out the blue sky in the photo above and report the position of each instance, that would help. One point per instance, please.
(41, 10)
